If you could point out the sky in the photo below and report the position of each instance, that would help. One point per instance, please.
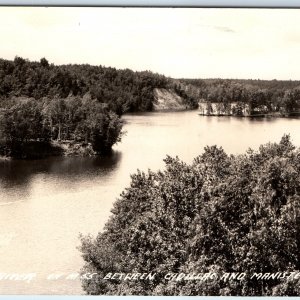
(176, 42)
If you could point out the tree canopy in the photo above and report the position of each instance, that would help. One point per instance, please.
(71, 119)
(128, 91)
(222, 213)
(261, 96)
(122, 90)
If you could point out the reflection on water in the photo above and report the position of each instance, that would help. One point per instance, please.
(45, 204)
(18, 172)
(16, 176)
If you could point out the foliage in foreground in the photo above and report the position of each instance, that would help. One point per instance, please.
(220, 214)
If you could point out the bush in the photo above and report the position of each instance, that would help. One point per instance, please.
(220, 214)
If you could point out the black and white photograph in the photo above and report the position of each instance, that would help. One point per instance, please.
(149, 151)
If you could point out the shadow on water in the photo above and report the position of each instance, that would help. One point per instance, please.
(262, 119)
(20, 173)
(269, 119)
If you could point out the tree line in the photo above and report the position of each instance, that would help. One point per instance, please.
(122, 90)
(128, 91)
(261, 96)
(220, 214)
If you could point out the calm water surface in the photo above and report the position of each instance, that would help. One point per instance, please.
(45, 204)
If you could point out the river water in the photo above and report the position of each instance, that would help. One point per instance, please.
(45, 204)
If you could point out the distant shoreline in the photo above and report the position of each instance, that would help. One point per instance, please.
(252, 116)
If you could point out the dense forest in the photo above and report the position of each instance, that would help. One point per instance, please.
(128, 91)
(221, 214)
(33, 129)
(43, 106)
(42, 103)
(281, 98)
(122, 90)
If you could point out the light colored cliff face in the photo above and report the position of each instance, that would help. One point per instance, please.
(219, 109)
(167, 100)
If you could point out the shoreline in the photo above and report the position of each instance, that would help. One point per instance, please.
(251, 116)
(54, 148)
